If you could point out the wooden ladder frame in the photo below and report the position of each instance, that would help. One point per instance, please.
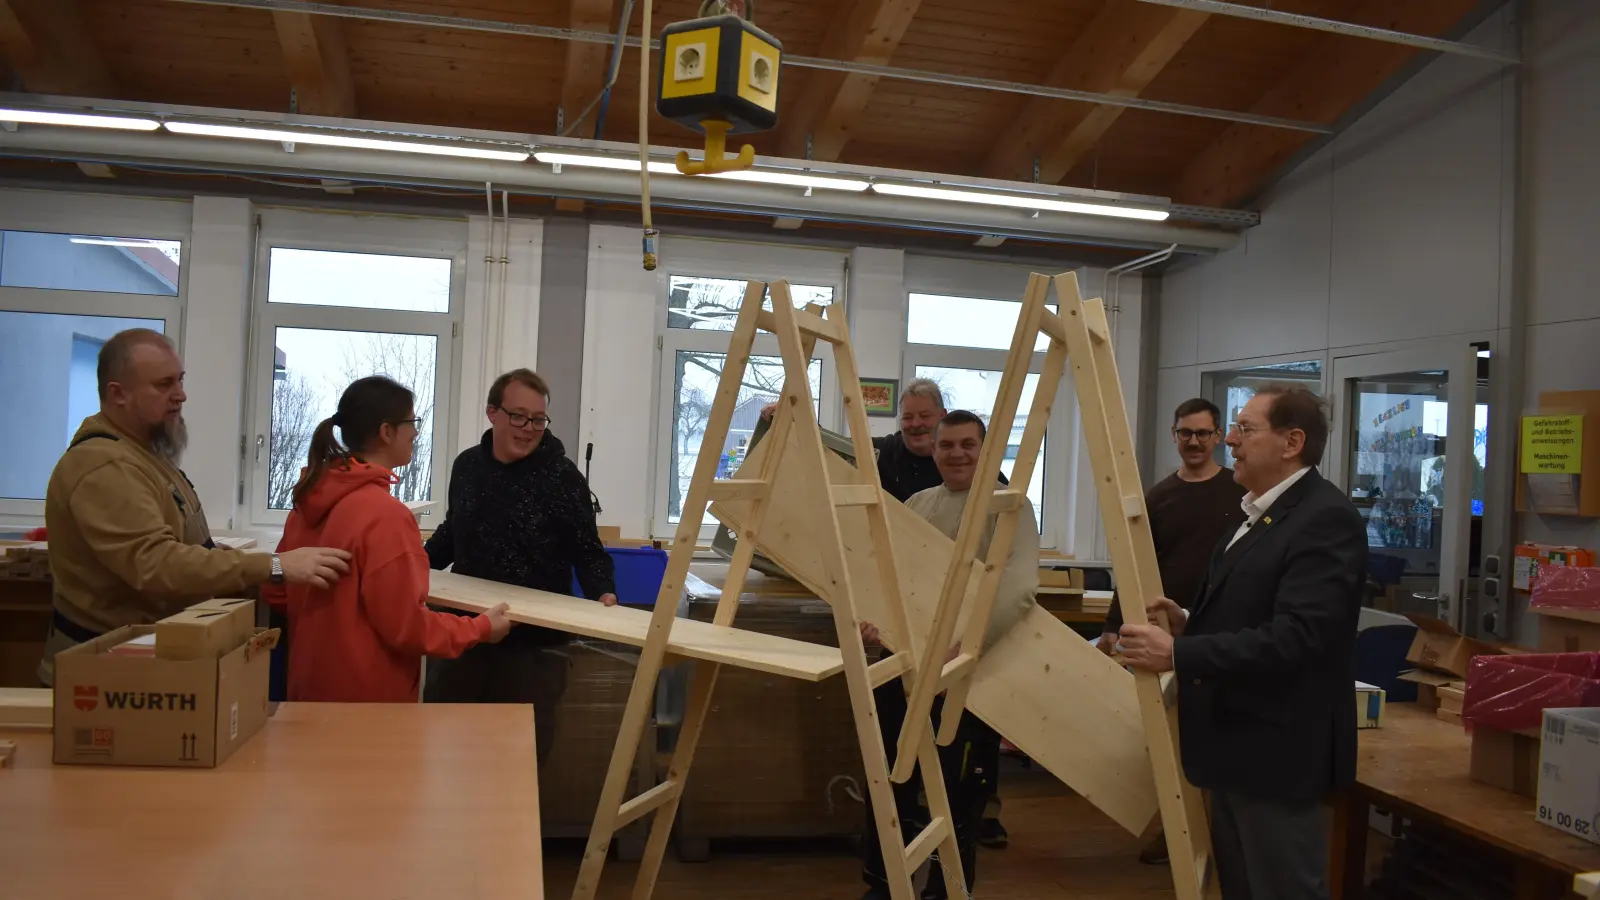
(1079, 332)
(797, 332)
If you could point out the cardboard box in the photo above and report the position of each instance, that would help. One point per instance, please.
(207, 630)
(1370, 701)
(1569, 772)
(1428, 684)
(1568, 630)
(1529, 558)
(1441, 648)
(121, 710)
(1508, 760)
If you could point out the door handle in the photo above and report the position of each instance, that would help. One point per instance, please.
(261, 441)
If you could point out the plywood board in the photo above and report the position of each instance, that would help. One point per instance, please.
(695, 640)
(1047, 690)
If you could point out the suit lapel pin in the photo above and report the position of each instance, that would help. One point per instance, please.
(1266, 520)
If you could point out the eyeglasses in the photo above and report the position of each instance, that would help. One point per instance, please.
(1189, 434)
(1244, 429)
(415, 422)
(518, 420)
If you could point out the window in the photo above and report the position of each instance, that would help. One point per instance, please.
(699, 303)
(380, 299)
(79, 262)
(62, 294)
(961, 343)
(48, 377)
(1231, 389)
(695, 384)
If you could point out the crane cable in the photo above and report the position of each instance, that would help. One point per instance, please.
(650, 232)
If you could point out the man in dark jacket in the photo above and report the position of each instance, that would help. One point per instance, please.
(519, 513)
(1263, 658)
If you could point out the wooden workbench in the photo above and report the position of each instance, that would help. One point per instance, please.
(328, 801)
(1416, 766)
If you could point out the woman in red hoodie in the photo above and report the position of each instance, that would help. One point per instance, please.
(362, 641)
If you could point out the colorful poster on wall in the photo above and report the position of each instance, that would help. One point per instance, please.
(1552, 445)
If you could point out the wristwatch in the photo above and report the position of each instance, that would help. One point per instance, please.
(277, 570)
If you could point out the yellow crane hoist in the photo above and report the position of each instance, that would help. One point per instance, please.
(718, 76)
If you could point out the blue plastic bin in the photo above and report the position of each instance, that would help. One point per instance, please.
(639, 571)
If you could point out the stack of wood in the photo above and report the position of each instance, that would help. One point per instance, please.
(1097, 602)
(25, 562)
(1450, 696)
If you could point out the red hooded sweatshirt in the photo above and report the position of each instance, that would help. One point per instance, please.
(362, 641)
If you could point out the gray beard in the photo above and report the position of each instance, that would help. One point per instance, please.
(169, 442)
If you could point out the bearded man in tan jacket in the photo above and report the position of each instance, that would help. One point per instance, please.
(129, 543)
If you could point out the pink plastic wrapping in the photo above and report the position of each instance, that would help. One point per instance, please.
(1511, 692)
(1567, 587)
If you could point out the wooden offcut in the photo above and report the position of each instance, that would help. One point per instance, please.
(26, 708)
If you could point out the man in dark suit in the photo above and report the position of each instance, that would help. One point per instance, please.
(1265, 706)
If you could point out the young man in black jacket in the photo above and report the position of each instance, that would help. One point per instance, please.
(519, 513)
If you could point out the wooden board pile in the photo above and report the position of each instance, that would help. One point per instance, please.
(26, 562)
(1450, 696)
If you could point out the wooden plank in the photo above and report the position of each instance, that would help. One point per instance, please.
(586, 64)
(691, 639)
(28, 707)
(1035, 686)
(923, 845)
(1327, 82)
(7, 750)
(889, 668)
(1587, 884)
(854, 494)
(827, 110)
(647, 801)
(45, 42)
(318, 65)
(1121, 51)
(1007, 500)
(738, 489)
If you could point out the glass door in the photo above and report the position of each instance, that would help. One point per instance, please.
(1407, 450)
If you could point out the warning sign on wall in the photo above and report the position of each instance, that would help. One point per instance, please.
(1552, 445)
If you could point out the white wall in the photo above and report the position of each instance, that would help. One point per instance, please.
(1402, 229)
(1563, 120)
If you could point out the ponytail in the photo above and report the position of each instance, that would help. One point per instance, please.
(325, 450)
(365, 407)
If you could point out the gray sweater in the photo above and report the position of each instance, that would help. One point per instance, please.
(1019, 581)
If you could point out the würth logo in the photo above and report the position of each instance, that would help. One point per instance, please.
(170, 701)
(85, 697)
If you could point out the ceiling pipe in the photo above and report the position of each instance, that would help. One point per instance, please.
(701, 194)
(461, 23)
(1349, 29)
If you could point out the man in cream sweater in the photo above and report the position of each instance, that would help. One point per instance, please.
(970, 760)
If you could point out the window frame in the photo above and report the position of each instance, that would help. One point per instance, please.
(669, 341)
(1060, 451)
(169, 310)
(371, 234)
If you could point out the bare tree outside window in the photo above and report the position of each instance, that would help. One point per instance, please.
(320, 365)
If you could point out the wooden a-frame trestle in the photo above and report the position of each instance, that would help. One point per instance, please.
(1079, 332)
(797, 331)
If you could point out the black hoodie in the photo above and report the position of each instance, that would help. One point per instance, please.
(529, 523)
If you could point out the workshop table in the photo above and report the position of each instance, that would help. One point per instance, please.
(328, 801)
(1416, 766)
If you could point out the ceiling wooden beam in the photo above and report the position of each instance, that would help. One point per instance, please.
(832, 102)
(1121, 51)
(46, 43)
(1338, 74)
(319, 67)
(586, 63)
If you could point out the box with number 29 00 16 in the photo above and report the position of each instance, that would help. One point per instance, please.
(1569, 772)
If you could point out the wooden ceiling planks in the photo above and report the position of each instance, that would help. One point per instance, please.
(1327, 82)
(163, 51)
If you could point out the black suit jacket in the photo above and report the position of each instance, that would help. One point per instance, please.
(1266, 703)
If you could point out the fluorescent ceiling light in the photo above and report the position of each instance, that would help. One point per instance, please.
(1019, 201)
(80, 120)
(759, 176)
(330, 139)
(118, 242)
(1483, 354)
